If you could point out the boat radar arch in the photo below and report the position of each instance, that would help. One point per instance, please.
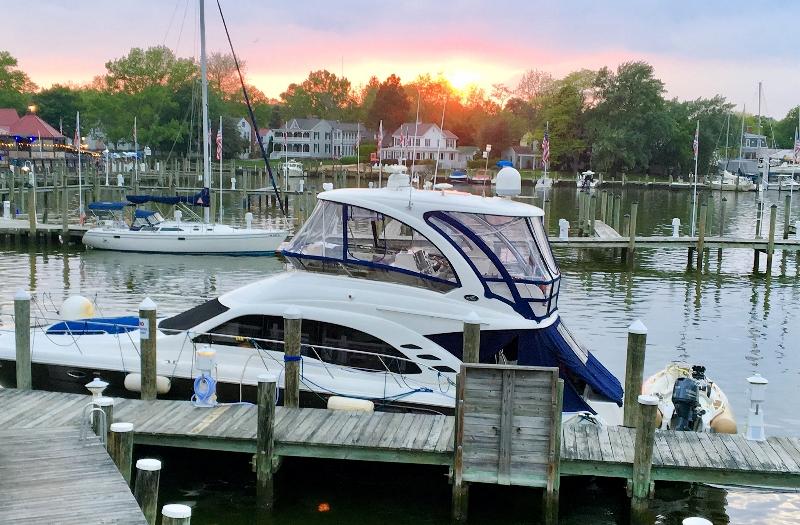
(508, 182)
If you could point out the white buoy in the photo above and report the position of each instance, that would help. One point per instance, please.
(349, 404)
(676, 227)
(696, 521)
(248, 220)
(563, 229)
(233, 183)
(327, 186)
(6, 209)
(120, 180)
(755, 416)
(76, 307)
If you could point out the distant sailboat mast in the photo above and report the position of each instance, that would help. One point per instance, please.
(204, 90)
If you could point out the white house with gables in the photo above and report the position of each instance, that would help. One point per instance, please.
(311, 138)
(424, 141)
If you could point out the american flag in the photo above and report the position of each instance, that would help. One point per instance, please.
(696, 141)
(796, 144)
(379, 137)
(219, 144)
(546, 148)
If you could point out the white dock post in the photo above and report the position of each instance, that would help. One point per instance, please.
(22, 334)
(148, 472)
(176, 514)
(755, 416)
(563, 229)
(6, 209)
(696, 520)
(147, 338)
(797, 230)
(120, 447)
(676, 227)
(634, 371)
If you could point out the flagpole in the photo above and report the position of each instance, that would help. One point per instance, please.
(80, 180)
(380, 154)
(135, 158)
(546, 164)
(694, 193)
(358, 153)
(414, 147)
(220, 169)
(439, 143)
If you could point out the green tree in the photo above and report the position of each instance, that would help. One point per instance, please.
(322, 95)
(15, 86)
(785, 129)
(391, 106)
(145, 68)
(628, 118)
(59, 104)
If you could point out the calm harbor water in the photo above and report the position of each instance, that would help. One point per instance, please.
(734, 322)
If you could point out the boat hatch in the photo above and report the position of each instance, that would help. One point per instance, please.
(511, 256)
(358, 242)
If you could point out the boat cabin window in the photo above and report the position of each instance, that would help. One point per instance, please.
(358, 242)
(146, 220)
(511, 255)
(327, 342)
(192, 317)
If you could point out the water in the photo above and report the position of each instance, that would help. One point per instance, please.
(734, 322)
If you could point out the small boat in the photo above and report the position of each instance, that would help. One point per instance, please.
(293, 175)
(544, 183)
(727, 181)
(458, 176)
(586, 180)
(481, 177)
(688, 400)
(783, 182)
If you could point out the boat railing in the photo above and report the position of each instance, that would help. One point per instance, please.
(390, 365)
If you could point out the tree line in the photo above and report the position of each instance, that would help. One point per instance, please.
(612, 120)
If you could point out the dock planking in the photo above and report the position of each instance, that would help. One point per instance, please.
(48, 475)
(412, 438)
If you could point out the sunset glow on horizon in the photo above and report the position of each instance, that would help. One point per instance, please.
(464, 42)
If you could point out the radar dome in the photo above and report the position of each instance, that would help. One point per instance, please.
(508, 182)
(76, 307)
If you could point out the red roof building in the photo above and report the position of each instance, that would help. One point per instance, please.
(29, 138)
(31, 125)
(8, 117)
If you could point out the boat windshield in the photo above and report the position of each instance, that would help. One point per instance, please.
(146, 220)
(511, 255)
(358, 242)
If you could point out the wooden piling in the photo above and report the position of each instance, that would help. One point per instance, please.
(120, 447)
(634, 370)
(632, 233)
(147, 338)
(603, 205)
(721, 223)
(64, 214)
(472, 339)
(148, 472)
(292, 321)
(551, 492)
(773, 216)
(546, 218)
(756, 253)
(581, 211)
(643, 451)
(22, 336)
(787, 213)
(46, 209)
(701, 236)
(265, 494)
(592, 214)
(460, 491)
(32, 212)
(175, 514)
(617, 210)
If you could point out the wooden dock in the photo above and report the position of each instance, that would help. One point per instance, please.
(21, 228)
(49, 475)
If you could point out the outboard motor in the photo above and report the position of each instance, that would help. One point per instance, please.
(685, 393)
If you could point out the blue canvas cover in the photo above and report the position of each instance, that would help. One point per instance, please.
(199, 199)
(96, 325)
(504, 164)
(107, 206)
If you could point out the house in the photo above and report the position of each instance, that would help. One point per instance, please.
(423, 141)
(29, 138)
(311, 138)
(522, 157)
(246, 132)
(467, 153)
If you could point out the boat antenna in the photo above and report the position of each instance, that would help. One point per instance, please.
(252, 115)
(204, 92)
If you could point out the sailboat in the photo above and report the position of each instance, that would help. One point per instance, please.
(151, 233)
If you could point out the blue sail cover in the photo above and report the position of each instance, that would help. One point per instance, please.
(107, 206)
(200, 199)
(545, 347)
(96, 325)
(504, 164)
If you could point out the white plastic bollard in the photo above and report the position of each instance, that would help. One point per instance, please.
(301, 185)
(797, 230)
(327, 186)
(755, 417)
(696, 521)
(676, 227)
(371, 184)
(563, 229)
(6, 209)
(233, 183)
(248, 220)
(120, 180)
(178, 216)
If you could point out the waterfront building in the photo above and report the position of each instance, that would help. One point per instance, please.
(312, 138)
(29, 138)
(522, 157)
(423, 142)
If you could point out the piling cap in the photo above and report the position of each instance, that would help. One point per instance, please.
(147, 304)
(176, 511)
(22, 295)
(472, 318)
(148, 464)
(696, 521)
(637, 327)
(121, 427)
(292, 312)
(104, 401)
(756, 379)
(648, 400)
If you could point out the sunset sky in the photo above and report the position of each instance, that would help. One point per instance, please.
(697, 48)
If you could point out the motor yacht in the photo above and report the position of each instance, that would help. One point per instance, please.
(383, 280)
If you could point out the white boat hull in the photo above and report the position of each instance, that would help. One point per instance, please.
(197, 239)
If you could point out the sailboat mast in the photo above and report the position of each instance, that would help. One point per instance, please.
(204, 90)
(741, 135)
(727, 134)
(759, 110)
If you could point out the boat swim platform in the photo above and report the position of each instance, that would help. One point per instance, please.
(50, 475)
(415, 438)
